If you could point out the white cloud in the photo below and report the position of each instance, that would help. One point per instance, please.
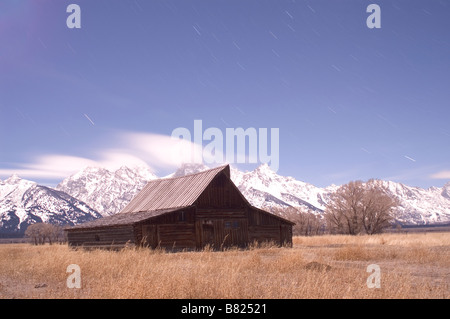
(130, 149)
(161, 150)
(441, 175)
(49, 166)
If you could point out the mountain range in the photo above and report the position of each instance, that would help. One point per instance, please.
(24, 202)
(95, 192)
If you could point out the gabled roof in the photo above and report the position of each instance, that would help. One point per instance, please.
(167, 193)
(163, 196)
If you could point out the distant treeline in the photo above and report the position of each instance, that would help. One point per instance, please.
(443, 225)
(309, 223)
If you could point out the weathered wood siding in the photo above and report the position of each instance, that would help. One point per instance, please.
(205, 213)
(221, 215)
(174, 230)
(220, 193)
(267, 227)
(286, 235)
(111, 236)
(220, 233)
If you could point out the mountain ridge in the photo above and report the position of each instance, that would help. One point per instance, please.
(94, 192)
(24, 202)
(265, 189)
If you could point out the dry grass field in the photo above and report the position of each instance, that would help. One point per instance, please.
(411, 266)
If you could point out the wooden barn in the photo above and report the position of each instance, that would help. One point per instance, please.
(188, 212)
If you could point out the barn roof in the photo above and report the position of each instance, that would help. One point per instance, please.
(163, 196)
(173, 192)
(124, 219)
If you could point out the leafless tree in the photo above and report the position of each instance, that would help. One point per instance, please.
(40, 232)
(34, 232)
(306, 222)
(378, 208)
(359, 207)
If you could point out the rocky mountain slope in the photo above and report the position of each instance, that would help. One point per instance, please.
(23, 202)
(106, 191)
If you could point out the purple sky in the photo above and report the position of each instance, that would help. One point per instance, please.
(349, 102)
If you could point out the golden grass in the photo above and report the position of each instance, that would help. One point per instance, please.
(412, 266)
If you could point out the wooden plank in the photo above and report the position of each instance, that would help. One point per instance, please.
(177, 235)
(101, 236)
(264, 233)
(220, 214)
(220, 193)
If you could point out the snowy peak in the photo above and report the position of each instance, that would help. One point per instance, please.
(264, 169)
(13, 180)
(189, 168)
(23, 203)
(417, 205)
(104, 190)
(133, 173)
(266, 189)
(15, 187)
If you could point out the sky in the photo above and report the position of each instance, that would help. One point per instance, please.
(349, 102)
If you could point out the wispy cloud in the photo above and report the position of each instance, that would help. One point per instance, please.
(421, 173)
(161, 150)
(129, 149)
(441, 175)
(49, 166)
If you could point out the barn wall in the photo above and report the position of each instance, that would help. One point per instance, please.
(106, 236)
(266, 227)
(221, 193)
(174, 230)
(223, 232)
(204, 213)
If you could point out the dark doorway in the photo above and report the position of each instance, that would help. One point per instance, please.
(207, 233)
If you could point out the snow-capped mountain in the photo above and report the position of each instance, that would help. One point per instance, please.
(95, 192)
(23, 202)
(186, 169)
(265, 189)
(420, 206)
(106, 191)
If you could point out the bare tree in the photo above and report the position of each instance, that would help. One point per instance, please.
(343, 209)
(306, 222)
(40, 232)
(359, 207)
(378, 208)
(33, 232)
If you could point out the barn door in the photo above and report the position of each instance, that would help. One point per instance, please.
(150, 236)
(207, 233)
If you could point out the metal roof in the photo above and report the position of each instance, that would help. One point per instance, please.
(163, 196)
(174, 192)
(123, 219)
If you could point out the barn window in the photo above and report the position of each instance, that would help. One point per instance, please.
(233, 225)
